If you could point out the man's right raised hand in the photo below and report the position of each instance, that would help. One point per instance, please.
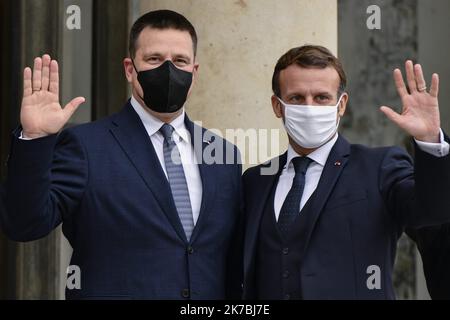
(41, 114)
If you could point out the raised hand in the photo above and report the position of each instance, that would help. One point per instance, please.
(41, 114)
(420, 111)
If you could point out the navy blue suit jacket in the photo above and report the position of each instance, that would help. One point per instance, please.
(364, 200)
(434, 246)
(104, 182)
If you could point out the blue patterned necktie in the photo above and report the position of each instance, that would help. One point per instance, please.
(177, 180)
(291, 205)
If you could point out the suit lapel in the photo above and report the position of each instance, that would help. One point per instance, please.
(261, 188)
(131, 135)
(208, 174)
(334, 166)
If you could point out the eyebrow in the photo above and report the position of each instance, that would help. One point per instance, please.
(151, 54)
(158, 54)
(184, 56)
(324, 93)
(320, 93)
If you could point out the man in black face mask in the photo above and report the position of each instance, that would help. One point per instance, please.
(146, 216)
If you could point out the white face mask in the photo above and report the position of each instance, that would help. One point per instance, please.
(310, 126)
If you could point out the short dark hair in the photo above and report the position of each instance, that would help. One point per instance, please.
(308, 56)
(161, 19)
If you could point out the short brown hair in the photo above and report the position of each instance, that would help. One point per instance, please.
(308, 56)
(161, 19)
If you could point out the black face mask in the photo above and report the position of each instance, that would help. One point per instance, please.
(165, 88)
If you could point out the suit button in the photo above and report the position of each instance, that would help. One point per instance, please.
(287, 296)
(285, 250)
(286, 274)
(185, 293)
(190, 250)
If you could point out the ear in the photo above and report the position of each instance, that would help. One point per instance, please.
(277, 107)
(195, 72)
(129, 69)
(343, 104)
(194, 78)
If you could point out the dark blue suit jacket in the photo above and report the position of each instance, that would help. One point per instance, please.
(363, 202)
(434, 246)
(104, 182)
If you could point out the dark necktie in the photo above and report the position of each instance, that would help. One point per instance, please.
(177, 180)
(291, 205)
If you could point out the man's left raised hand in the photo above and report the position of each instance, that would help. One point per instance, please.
(420, 111)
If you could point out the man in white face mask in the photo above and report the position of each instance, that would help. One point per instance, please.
(326, 224)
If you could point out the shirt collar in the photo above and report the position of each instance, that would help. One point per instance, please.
(153, 124)
(319, 155)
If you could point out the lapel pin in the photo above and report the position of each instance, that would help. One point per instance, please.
(337, 163)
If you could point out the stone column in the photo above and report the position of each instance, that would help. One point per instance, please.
(239, 45)
(433, 51)
(5, 127)
(369, 57)
(38, 26)
(110, 47)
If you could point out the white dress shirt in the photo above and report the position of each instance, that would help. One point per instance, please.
(182, 138)
(319, 157)
(312, 176)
